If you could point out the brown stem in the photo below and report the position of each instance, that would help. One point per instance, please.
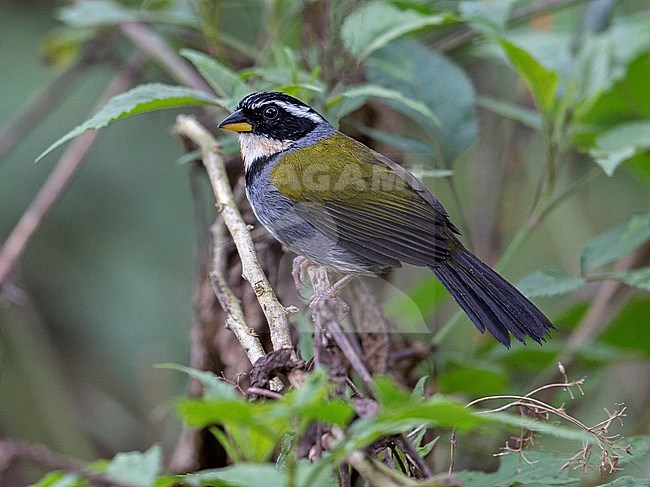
(60, 178)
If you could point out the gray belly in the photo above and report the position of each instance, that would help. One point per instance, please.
(275, 212)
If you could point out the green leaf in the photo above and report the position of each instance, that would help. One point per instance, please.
(474, 381)
(549, 282)
(626, 101)
(135, 468)
(629, 330)
(627, 481)
(638, 278)
(60, 479)
(377, 23)
(225, 82)
(240, 475)
(542, 468)
(424, 75)
(528, 117)
(616, 243)
(213, 386)
(361, 93)
(541, 81)
(493, 15)
(621, 143)
(141, 99)
(100, 13)
(418, 390)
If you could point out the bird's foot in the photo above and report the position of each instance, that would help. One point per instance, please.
(299, 271)
(331, 294)
(321, 296)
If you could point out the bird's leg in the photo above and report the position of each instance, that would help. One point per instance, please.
(299, 270)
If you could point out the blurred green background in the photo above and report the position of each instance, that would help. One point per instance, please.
(107, 279)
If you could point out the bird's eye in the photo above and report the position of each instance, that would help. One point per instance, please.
(270, 113)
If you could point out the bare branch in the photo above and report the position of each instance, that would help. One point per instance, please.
(235, 320)
(275, 313)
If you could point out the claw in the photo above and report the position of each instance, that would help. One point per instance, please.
(299, 271)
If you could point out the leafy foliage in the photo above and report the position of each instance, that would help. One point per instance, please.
(142, 99)
(590, 92)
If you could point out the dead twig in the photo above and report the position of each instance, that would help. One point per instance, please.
(275, 313)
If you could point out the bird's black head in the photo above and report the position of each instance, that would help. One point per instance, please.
(273, 115)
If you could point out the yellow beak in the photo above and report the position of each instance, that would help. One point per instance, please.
(236, 122)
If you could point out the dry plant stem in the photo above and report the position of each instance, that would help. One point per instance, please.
(275, 313)
(12, 450)
(235, 320)
(60, 178)
(324, 316)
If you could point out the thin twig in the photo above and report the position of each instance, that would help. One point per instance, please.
(275, 313)
(263, 392)
(235, 320)
(61, 177)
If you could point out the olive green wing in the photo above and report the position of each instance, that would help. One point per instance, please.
(365, 201)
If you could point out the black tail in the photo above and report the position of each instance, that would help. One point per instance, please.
(490, 301)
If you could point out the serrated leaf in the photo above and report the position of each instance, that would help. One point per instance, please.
(225, 82)
(541, 81)
(377, 23)
(549, 282)
(617, 242)
(135, 468)
(421, 74)
(363, 92)
(620, 143)
(213, 386)
(638, 278)
(141, 99)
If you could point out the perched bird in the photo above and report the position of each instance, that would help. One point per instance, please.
(335, 201)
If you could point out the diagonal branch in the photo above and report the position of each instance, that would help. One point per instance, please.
(275, 313)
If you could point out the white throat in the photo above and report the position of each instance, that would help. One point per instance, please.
(255, 146)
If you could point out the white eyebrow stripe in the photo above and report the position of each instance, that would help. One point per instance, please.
(299, 111)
